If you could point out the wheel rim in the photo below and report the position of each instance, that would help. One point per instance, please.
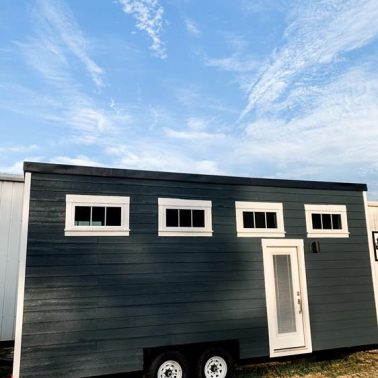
(215, 367)
(170, 369)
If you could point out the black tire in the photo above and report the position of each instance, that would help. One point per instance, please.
(159, 361)
(211, 355)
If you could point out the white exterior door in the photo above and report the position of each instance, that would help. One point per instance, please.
(286, 297)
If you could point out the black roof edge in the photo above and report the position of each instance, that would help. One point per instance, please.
(186, 177)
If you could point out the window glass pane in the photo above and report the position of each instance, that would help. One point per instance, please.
(171, 217)
(284, 294)
(198, 218)
(248, 220)
(260, 219)
(271, 220)
(82, 215)
(98, 216)
(336, 221)
(326, 219)
(185, 218)
(113, 216)
(316, 221)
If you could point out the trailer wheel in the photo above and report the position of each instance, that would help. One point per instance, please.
(215, 363)
(171, 364)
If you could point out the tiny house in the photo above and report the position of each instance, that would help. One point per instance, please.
(11, 194)
(171, 274)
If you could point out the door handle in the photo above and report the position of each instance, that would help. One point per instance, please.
(300, 305)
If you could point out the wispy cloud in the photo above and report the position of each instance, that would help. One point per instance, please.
(78, 160)
(197, 129)
(149, 16)
(258, 6)
(319, 33)
(233, 63)
(58, 31)
(192, 27)
(18, 148)
(240, 62)
(160, 158)
(14, 169)
(53, 51)
(333, 140)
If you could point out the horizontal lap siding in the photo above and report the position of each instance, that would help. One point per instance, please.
(93, 303)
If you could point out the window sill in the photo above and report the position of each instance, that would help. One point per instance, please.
(328, 234)
(261, 234)
(104, 232)
(185, 233)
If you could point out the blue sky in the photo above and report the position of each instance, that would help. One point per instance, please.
(264, 88)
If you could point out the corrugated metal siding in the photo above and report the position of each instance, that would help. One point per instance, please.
(93, 303)
(10, 228)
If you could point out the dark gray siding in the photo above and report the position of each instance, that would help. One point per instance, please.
(93, 303)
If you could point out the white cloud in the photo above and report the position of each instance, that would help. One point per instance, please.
(17, 167)
(159, 158)
(50, 51)
(333, 140)
(18, 148)
(240, 61)
(192, 27)
(78, 160)
(58, 31)
(192, 135)
(258, 6)
(149, 16)
(14, 169)
(195, 123)
(198, 129)
(319, 33)
(233, 63)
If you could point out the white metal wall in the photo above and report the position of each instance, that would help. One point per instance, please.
(11, 195)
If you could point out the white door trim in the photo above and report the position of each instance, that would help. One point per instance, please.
(267, 245)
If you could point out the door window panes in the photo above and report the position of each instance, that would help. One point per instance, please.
(284, 294)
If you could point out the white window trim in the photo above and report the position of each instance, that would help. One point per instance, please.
(276, 207)
(175, 203)
(326, 209)
(73, 200)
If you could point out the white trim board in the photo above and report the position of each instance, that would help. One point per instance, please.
(21, 276)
